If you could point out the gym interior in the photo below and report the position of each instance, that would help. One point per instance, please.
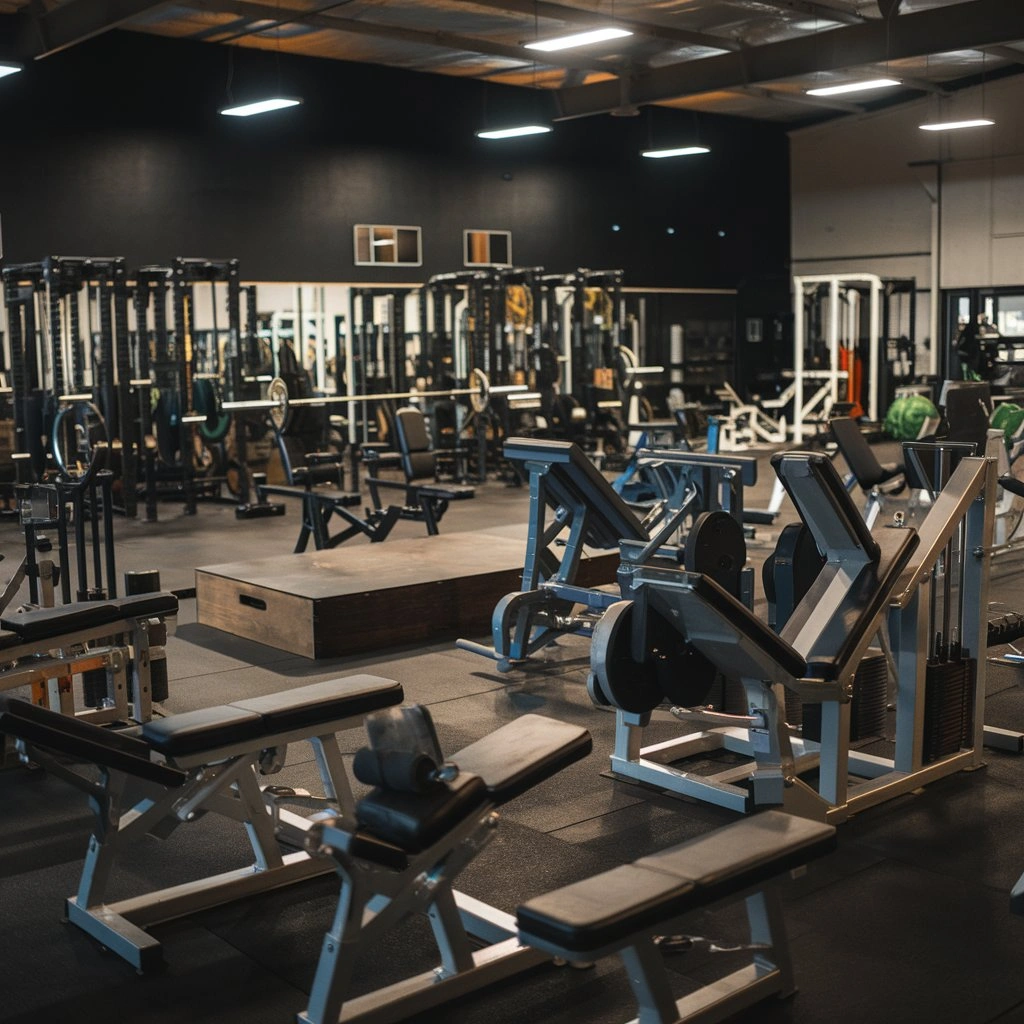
(512, 510)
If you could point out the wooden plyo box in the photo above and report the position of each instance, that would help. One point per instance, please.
(365, 597)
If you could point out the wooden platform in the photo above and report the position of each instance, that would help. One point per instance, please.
(365, 597)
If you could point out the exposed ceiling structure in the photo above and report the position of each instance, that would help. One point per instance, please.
(751, 58)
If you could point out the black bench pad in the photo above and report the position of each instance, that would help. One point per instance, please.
(413, 821)
(43, 623)
(192, 732)
(517, 756)
(445, 492)
(617, 905)
(323, 702)
(65, 734)
(141, 606)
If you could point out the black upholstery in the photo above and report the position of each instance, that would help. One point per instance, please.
(65, 734)
(143, 606)
(617, 906)
(866, 597)
(572, 479)
(193, 732)
(323, 702)
(868, 471)
(809, 478)
(44, 623)
(522, 753)
(413, 821)
(419, 460)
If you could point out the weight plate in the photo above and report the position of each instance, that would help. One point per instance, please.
(717, 548)
(79, 441)
(206, 401)
(626, 684)
(481, 385)
(277, 393)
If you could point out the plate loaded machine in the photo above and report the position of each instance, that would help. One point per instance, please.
(679, 628)
(571, 502)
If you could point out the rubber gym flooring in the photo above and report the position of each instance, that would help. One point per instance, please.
(907, 922)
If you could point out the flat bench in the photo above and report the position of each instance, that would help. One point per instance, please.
(398, 839)
(52, 644)
(624, 910)
(168, 771)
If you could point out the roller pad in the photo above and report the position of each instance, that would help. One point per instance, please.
(413, 821)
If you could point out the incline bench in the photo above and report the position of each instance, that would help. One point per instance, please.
(625, 909)
(170, 771)
(423, 822)
(50, 645)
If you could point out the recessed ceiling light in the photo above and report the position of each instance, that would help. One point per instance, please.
(7, 68)
(946, 126)
(260, 107)
(514, 133)
(836, 90)
(597, 35)
(660, 154)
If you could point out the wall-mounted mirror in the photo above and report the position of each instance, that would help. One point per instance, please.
(487, 248)
(388, 245)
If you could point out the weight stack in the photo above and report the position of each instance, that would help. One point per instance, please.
(147, 581)
(948, 711)
(867, 709)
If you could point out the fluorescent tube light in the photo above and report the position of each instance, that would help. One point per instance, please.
(514, 133)
(260, 107)
(597, 35)
(836, 90)
(660, 154)
(945, 126)
(6, 68)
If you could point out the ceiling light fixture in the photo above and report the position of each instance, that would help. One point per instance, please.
(260, 107)
(514, 133)
(7, 68)
(597, 35)
(945, 126)
(836, 90)
(660, 154)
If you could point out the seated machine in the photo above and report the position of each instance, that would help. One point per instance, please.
(175, 769)
(873, 478)
(572, 502)
(425, 501)
(895, 577)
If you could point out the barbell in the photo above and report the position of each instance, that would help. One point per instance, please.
(278, 401)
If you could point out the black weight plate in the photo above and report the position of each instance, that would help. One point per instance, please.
(628, 685)
(717, 548)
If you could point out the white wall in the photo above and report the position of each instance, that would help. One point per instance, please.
(858, 206)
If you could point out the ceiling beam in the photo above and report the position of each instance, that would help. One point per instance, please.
(797, 99)
(1005, 53)
(41, 32)
(662, 28)
(973, 25)
(814, 10)
(438, 39)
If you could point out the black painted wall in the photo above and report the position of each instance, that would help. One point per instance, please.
(115, 147)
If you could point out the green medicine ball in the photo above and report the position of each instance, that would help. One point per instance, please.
(907, 415)
(1008, 418)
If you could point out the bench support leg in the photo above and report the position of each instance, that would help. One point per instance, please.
(648, 979)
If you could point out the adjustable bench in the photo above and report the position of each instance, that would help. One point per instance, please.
(172, 770)
(421, 825)
(625, 909)
(425, 501)
(310, 476)
(48, 646)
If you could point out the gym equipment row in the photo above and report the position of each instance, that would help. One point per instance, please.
(426, 817)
